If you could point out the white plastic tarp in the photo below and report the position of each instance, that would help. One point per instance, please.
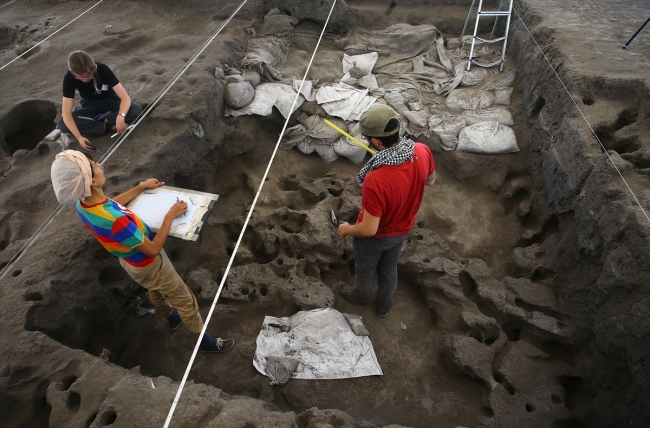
(344, 101)
(322, 341)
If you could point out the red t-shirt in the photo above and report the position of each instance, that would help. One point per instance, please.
(394, 192)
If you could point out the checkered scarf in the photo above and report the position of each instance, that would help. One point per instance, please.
(395, 155)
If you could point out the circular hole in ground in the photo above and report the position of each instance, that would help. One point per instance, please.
(244, 290)
(27, 124)
(16, 273)
(66, 383)
(529, 408)
(73, 401)
(33, 296)
(107, 418)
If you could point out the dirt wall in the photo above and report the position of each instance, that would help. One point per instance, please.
(601, 247)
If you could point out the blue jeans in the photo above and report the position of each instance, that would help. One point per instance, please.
(376, 257)
(91, 108)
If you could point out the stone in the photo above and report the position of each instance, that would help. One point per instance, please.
(529, 260)
(201, 279)
(469, 357)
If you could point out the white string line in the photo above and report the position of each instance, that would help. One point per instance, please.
(583, 116)
(241, 234)
(8, 3)
(21, 55)
(166, 88)
(113, 148)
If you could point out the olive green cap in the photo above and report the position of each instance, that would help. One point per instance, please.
(374, 120)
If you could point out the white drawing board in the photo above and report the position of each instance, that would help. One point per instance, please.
(152, 205)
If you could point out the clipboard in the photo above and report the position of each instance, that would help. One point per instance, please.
(152, 205)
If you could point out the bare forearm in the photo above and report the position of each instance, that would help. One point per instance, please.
(128, 196)
(431, 179)
(71, 125)
(161, 236)
(125, 105)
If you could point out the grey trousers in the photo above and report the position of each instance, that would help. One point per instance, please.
(91, 108)
(376, 257)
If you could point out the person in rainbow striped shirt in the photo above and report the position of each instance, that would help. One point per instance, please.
(78, 180)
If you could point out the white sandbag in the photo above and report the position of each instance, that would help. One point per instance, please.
(239, 94)
(493, 114)
(469, 99)
(502, 96)
(326, 152)
(447, 126)
(252, 77)
(280, 369)
(472, 77)
(235, 78)
(306, 146)
(487, 138)
(358, 66)
(351, 150)
(498, 80)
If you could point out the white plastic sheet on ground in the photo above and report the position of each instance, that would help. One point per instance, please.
(267, 95)
(322, 341)
(344, 101)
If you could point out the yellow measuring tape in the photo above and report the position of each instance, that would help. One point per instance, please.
(372, 152)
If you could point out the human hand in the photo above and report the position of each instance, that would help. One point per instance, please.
(151, 183)
(342, 228)
(120, 126)
(85, 143)
(177, 209)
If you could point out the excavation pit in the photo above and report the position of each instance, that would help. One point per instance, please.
(493, 323)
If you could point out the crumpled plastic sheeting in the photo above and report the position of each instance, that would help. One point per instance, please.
(307, 90)
(278, 24)
(263, 54)
(344, 101)
(267, 95)
(410, 41)
(322, 341)
(270, 49)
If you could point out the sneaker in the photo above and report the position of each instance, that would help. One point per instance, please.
(220, 345)
(345, 291)
(174, 321)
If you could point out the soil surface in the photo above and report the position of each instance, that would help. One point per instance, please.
(522, 298)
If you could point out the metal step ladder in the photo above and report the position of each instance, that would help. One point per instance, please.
(496, 14)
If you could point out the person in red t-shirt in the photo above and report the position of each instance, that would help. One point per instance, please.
(393, 185)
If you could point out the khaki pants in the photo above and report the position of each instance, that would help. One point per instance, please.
(167, 291)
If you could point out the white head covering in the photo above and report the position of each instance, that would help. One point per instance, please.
(71, 177)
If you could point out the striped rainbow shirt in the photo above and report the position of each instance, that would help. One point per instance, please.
(119, 230)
